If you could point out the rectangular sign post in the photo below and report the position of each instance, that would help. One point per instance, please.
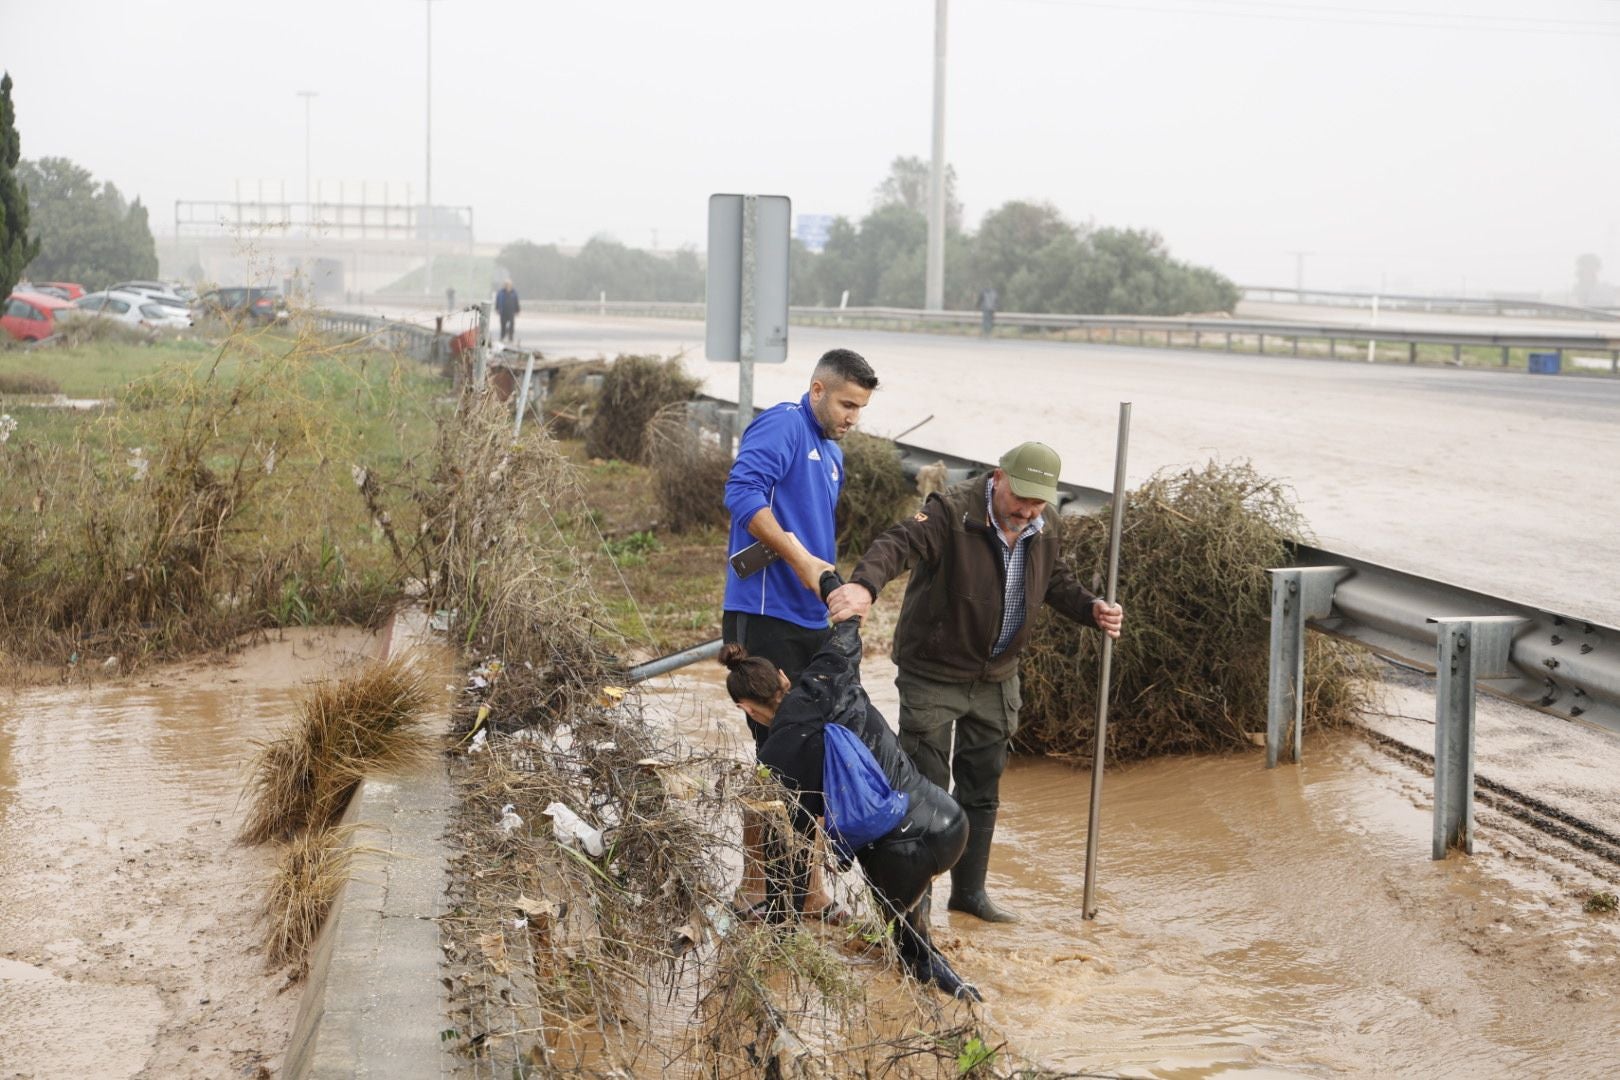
(746, 314)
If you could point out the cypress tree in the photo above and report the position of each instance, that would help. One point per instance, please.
(16, 249)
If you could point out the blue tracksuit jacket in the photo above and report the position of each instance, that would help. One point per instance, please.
(784, 462)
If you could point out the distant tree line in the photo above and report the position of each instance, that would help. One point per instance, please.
(87, 231)
(543, 272)
(1027, 252)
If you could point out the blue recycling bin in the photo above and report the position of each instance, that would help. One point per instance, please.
(1543, 363)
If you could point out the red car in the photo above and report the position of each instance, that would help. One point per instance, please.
(67, 290)
(32, 316)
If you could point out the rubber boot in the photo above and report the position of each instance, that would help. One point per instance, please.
(925, 963)
(967, 876)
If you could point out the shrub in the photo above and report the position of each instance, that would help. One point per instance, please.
(633, 390)
(1190, 673)
(689, 471)
(876, 492)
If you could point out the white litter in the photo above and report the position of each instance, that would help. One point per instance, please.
(510, 820)
(572, 829)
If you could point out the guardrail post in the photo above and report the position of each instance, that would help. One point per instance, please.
(1468, 649)
(1504, 356)
(1298, 593)
(1411, 352)
(1333, 348)
(1229, 341)
(1296, 344)
(481, 351)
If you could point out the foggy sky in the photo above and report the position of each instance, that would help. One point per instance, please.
(1474, 145)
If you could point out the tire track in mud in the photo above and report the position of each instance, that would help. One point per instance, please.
(1597, 849)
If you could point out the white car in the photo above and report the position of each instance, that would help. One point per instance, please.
(166, 290)
(136, 309)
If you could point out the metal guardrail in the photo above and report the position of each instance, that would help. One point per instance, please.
(418, 342)
(1456, 305)
(1148, 330)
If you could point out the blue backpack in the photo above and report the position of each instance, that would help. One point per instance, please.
(861, 806)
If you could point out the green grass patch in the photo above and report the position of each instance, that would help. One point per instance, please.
(216, 487)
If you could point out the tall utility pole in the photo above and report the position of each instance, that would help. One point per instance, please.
(427, 225)
(309, 208)
(934, 290)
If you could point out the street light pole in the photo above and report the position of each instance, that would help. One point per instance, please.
(309, 210)
(427, 229)
(934, 283)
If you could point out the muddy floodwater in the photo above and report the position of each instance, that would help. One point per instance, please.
(1287, 922)
(128, 914)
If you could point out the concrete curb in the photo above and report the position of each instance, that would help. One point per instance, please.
(373, 1005)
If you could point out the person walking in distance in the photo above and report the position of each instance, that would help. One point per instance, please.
(983, 556)
(507, 307)
(783, 491)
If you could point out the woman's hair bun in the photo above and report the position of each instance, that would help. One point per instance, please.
(732, 654)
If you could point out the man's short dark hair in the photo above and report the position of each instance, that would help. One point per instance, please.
(845, 365)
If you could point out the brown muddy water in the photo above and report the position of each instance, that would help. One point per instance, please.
(128, 914)
(1287, 922)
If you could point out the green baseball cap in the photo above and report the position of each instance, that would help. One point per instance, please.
(1032, 471)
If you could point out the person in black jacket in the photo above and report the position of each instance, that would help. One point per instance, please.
(507, 307)
(901, 865)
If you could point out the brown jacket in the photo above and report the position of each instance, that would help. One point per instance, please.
(952, 610)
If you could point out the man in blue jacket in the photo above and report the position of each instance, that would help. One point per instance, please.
(783, 491)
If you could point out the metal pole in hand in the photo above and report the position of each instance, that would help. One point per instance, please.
(1088, 907)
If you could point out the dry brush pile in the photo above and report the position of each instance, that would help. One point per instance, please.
(634, 389)
(1190, 672)
(876, 492)
(689, 470)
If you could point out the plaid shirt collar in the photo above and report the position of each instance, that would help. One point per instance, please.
(1012, 560)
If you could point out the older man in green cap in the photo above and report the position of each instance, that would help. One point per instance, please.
(983, 556)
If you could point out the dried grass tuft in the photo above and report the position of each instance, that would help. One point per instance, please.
(689, 471)
(1190, 674)
(370, 722)
(85, 329)
(28, 382)
(312, 870)
(633, 390)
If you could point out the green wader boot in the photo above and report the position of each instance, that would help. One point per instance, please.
(967, 876)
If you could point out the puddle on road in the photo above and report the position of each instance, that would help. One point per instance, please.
(1283, 922)
(123, 896)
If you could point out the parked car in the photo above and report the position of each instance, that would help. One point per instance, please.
(134, 309)
(32, 316)
(62, 290)
(263, 304)
(170, 290)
